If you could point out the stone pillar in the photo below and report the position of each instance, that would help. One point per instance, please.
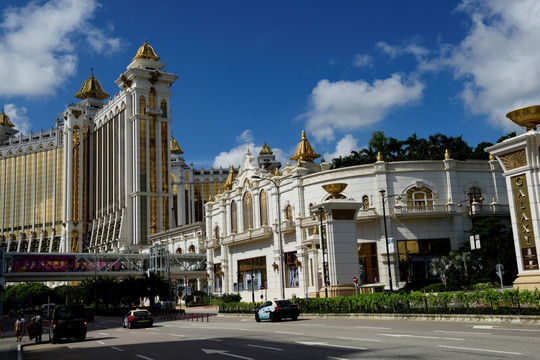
(341, 244)
(520, 159)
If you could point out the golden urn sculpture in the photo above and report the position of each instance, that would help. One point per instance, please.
(335, 189)
(528, 116)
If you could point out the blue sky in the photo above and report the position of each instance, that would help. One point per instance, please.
(262, 71)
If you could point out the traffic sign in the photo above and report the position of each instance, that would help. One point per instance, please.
(355, 279)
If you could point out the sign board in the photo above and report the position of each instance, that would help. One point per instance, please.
(475, 242)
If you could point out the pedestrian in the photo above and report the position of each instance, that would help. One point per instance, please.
(19, 328)
(38, 324)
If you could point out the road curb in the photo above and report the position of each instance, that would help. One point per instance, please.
(494, 319)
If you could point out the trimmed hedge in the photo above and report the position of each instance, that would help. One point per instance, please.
(523, 302)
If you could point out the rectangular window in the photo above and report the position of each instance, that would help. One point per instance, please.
(369, 265)
(291, 265)
(252, 273)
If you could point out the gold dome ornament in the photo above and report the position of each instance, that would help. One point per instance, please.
(146, 52)
(265, 150)
(304, 150)
(5, 120)
(91, 88)
(175, 148)
(528, 116)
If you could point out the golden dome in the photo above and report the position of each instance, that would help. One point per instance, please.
(266, 150)
(304, 151)
(146, 52)
(4, 120)
(92, 88)
(175, 148)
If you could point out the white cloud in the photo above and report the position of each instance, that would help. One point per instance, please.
(37, 46)
(347, 105)
(361, 60)
(411, 48)
(498, 59)
(18, 118)
(343, 147)
(235, 155)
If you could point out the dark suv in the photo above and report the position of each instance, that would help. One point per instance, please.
(68, 321)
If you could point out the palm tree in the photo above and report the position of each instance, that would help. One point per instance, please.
(132, 289)
(439, 267)
(154, 285)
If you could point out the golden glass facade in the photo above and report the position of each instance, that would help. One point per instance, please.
(31, 200)
(247, 207)
(263, 201)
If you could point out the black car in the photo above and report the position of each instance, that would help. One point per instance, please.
(139, 317)
(68, 321)
(276, 310)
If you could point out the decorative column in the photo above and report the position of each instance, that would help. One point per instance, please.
(520, 159)
(341, 240)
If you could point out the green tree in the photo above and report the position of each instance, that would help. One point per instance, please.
(26, 295)
(132, 289)
(440, 267)
(497, 247)
(154, 285)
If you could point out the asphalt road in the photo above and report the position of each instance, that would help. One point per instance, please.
(242, 338)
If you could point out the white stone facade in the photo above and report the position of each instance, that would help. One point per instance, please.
(422, 209)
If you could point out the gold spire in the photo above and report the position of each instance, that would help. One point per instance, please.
(304, 151)
(146, 52)
(379, 156)
(230, 179)
(92, 88)
(4, 120)
(266, 150)
(175, 148)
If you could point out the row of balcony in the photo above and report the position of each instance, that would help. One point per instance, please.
(400, 211)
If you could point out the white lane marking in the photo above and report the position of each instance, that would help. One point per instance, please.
(480, 350)
(117, 349)
(224, 352)
(330, 345)
(265, 347)
(100, 342)
(210, 339)
(461, 332)
(489, 327)
(331, 357)
(288, 333)
(144, 357)
(420, 337)
(357, 339)
(103, 334)
(372, 327)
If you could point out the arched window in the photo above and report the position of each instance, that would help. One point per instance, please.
(192, 249)
(247, 207)
(234, 219)
(152, 98)
(163, 108)
(263, 198)
(420, 199)
(179, 250)
(288, 212)
(475, 194)
(216, 232)
(365, 202)
(142, 105)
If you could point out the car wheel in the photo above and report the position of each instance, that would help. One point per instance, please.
(130, 326)
(54, 339)
(257, 318)
(81, 338)
(273, 317)
(295, 318)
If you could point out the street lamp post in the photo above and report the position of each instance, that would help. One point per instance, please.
(384, 199)
(471, 200)
(320, 213)
(282, 277)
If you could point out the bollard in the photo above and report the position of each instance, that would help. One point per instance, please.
(207, 317)
(191, 316)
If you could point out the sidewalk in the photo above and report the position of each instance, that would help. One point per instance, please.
(9, 347)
